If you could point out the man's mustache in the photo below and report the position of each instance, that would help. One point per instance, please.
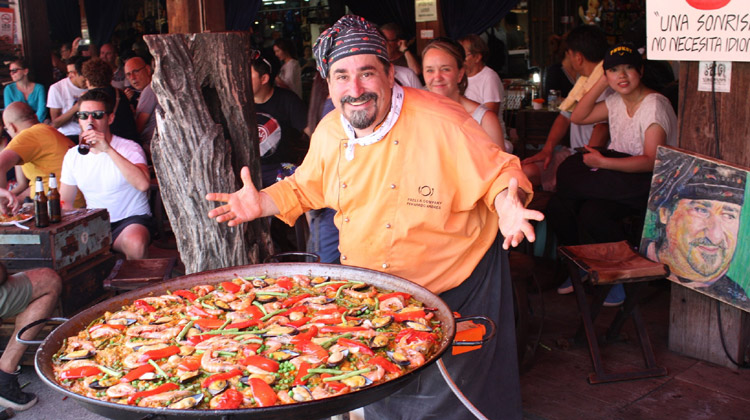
(707, 242)
(362, 98)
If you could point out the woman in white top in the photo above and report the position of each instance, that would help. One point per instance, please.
(444, 74)
(290, 75)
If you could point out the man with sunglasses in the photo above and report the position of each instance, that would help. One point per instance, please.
(37, 147)
(113, 175)
(138, 73)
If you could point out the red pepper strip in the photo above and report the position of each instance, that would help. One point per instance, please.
(250, 349)
(414, 335)
(230, 287)
(195, 339)
(262, 392)
(285, 283)
(337, 309)
(115, 326)
(254, 312)
(242, 324)
(187, 364)
(199, 312)
(144, 306)
(308, 335)
(294, 299)
(158, 354)
(308, 347)
(385, 364)
(338, 330)
(137, 373)
(331, 321)
(301, 373)
(406, 316)
(261, 362)
(208, 324)
(354, 343)
(229, 400)
(302, 309)
(404, 296)
(169, 386)
(300, 322)
(334, 385)
(221, 376)
(185, 294)
(80, 372)
(333, 287)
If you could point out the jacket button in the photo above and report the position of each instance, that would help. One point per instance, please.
(343, 257)
(343, 185)
(385, 265)
(395, 142)
(393, 186)
(346, 219)
(387, 225)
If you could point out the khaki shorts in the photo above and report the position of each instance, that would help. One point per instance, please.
(15, 295)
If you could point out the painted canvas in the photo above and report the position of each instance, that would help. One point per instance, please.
(697, 223)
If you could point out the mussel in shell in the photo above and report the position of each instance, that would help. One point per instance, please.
(381, 321)
(122, 321)
(259, 283)
(418, 326)
(280, 330)
(283, 355)
(222, 305)
(269, 378)
(337, 356)
(360, 286)
(263, 298)
(301, 393)
(357, 381)
(189, 376)
(357, 311)
(319, 280)
(162, 320)
(379, 341)
(187, 402)
(398, 357)
(217, 387)
(104, 383)
(78, 355)
(296, 316)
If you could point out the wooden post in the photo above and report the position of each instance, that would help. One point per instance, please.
(693, 327)
(36, 43)
(206, 133)
(194, 16)
(436, 26)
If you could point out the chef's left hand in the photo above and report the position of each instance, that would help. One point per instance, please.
(513, 218)
(95, 140)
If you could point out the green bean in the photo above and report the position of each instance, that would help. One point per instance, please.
(261, 307)
(158, 369)
(324, 370)
(184, 331)
(269, 315)
(271, 294)
(110, 372)
(330, 341)
(225, 324)
(347, 375)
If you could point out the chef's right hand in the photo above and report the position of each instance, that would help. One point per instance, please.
(8, 202)
(242, 206)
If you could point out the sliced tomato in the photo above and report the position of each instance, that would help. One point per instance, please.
(188, 363)
(144, 306)
(169, 386)
(262, 392)
(261, 362)
(230, 287)
(138, 372)
(336, 329)
(80, 372)
(228, 400)
(304, 367)
(114, 326)
(221, 376)
(243, 324)
(354, 343)
(185, 294)
(386, 364)
(300, 322)
(208, 324)
(294, 299)
(308, 335)
(158, 354)
(285, 283)
(193, 310)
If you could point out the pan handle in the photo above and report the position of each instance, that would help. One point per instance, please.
(488, 337)
(32, 325)
(276, 257)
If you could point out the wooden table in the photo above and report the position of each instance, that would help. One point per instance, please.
(78, 248)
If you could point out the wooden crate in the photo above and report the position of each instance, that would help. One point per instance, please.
(82, 235)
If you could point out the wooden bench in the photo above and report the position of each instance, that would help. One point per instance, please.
(132, 274)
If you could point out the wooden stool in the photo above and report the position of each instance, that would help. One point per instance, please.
(606, 265)
(132, 274)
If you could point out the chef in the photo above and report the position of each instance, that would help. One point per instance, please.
(420, 192)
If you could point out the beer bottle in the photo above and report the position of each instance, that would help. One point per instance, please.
(41, 218)
(53, 201)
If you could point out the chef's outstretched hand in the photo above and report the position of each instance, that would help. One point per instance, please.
(514, 220)
(242, 205)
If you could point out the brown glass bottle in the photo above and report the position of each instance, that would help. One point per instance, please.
(41, 217)
(53, 201)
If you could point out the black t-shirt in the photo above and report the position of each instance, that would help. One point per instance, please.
(124, 123)
(285, 115)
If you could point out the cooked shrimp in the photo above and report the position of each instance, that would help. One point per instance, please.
(216, 364)
(224, 296)
(242, 304)
(361, 295)
(395, 303)
(131, 361)
(218, 343)
(284, 397)
(304, 281)
(280, 320)
(105, 332)
(161, 400)
(120, 390)
(375, 375)
(203, 289)
(77, 343)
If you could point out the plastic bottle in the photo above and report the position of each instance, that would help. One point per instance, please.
(553, 100)
(53, 201)
(41, 217)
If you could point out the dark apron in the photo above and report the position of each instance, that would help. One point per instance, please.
(488, 377)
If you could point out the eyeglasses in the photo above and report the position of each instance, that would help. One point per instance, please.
(134, 71)
(84, 115)
(14, 71)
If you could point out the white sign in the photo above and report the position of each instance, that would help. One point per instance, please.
(695, 30)
(427, 34)
(723, 80)
(425, 10)
(7, 25)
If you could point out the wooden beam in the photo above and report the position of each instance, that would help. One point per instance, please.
(436, 27)
(36, 42)
(195, 16)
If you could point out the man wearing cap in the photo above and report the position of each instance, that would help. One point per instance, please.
(420, 191)
(698, 206)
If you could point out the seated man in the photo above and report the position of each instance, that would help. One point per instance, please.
(138, 73)
(62, 99)
(28, 296)
(39, 148)
(113, 176)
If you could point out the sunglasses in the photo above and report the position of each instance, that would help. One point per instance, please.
(84, 115)
(13, 71)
